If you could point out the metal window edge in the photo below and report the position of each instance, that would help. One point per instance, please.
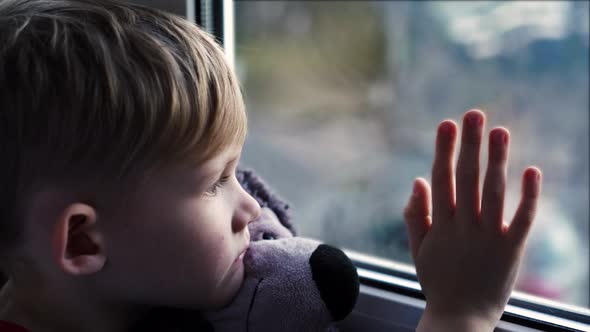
(408, 272)
(406, 292)
(408, 311)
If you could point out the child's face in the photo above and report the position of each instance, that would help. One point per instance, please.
(178, 241)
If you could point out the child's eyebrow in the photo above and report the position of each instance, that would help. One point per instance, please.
(234, 160)
(213, 172)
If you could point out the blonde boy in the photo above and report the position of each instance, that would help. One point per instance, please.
(120, 131)
(121, 128)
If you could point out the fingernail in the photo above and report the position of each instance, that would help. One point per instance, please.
(474, 119)
(446, 128)
(500, 137)
(534, 176)
(415, 189)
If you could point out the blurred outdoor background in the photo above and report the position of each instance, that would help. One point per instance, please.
(344, 98)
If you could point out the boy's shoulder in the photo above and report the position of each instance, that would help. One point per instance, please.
(10, 327)
(4, 297)
(5, 324)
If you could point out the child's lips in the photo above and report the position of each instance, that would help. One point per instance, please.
(242, 254)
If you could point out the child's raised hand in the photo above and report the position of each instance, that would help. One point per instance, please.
(466, 258)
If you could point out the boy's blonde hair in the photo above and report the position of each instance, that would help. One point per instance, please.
(105, 90)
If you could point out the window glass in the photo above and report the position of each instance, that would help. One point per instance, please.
(344, 98)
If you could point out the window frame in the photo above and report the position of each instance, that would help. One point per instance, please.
(397, 282)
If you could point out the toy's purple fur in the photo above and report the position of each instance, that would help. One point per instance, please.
(291, 284)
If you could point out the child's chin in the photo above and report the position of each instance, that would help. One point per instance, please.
(230, 289)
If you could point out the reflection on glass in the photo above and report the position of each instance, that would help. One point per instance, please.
(344, 97)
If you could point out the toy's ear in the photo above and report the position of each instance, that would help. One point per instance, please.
(267, 227)
(262, 192)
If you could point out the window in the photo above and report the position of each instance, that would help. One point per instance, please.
(343, 99)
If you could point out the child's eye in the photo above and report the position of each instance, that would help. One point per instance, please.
(218, 184)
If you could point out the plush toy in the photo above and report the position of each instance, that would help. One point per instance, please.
(291, 283)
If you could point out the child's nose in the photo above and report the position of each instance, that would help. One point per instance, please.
(252, 207)
(248, 211)
(256, 209)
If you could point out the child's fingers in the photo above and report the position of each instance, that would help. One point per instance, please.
(494, 187)
(443, 180)
(417, 215)
(523, 219)
(468, 166)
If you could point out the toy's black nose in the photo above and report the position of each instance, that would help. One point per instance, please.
(336, 279)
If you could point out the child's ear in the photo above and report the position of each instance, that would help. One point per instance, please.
(77, 246)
